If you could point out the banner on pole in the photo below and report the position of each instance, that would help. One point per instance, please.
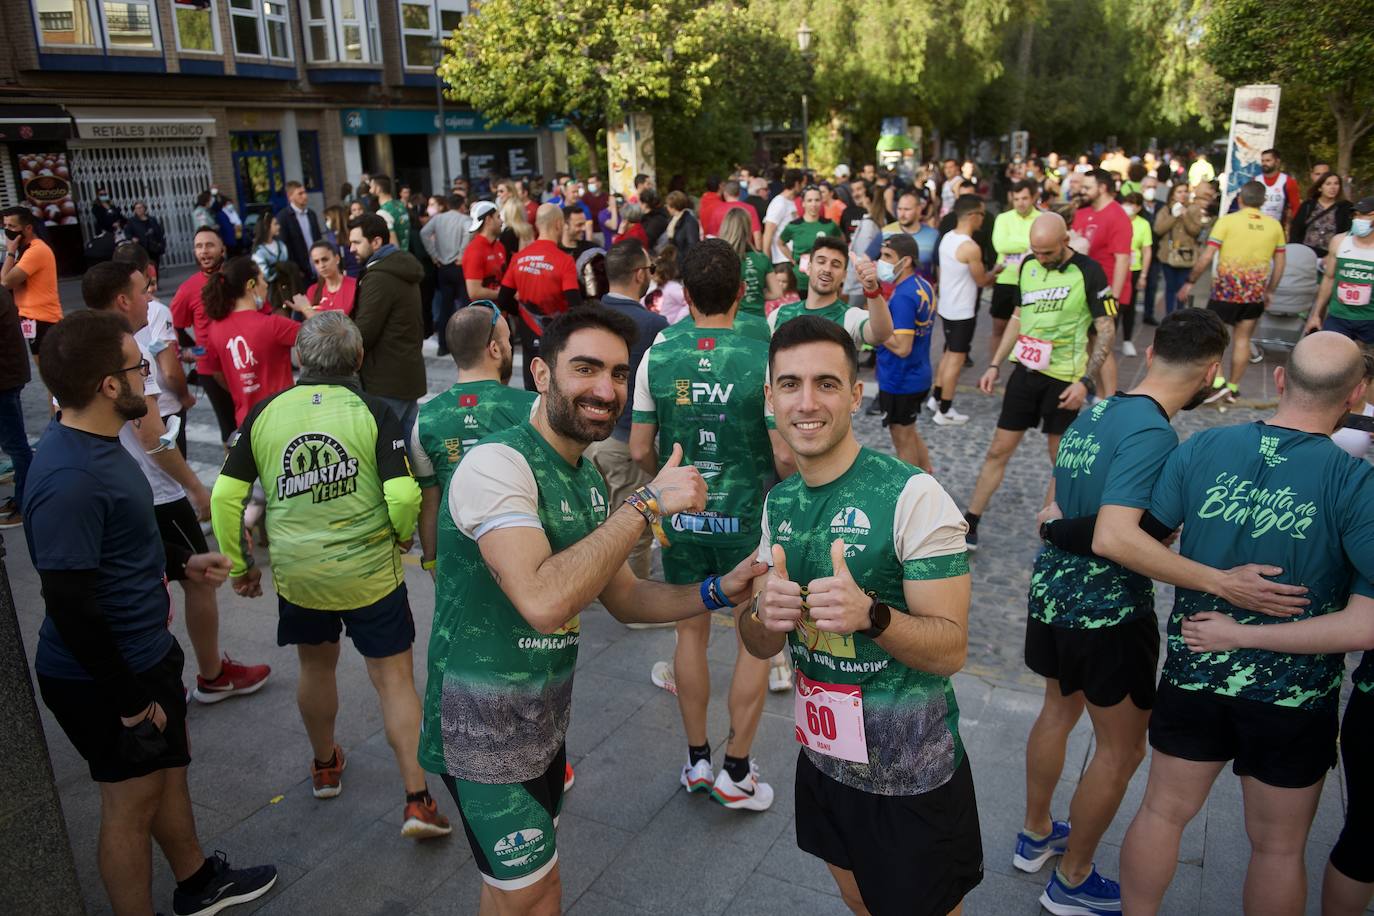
(630, 151)
(1254, 122)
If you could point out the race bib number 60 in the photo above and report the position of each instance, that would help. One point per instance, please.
(1033, 353)
(830, 719)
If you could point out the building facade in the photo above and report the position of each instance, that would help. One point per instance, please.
(158, 100)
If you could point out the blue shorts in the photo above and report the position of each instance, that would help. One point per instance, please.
(1361, 331)
(379, 630)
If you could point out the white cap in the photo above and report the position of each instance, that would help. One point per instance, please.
(479, 212)
(841, 171)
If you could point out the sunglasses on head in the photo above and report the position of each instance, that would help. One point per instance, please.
(495, 316)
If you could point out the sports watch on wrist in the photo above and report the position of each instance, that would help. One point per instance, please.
(1087, 383)
(879, 616)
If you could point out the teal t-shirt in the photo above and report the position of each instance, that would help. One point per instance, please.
(1110, 456)
(1265, 494)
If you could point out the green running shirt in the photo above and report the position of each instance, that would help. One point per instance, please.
(452, 422)
(704, 391)
(1257, 493)
(1059, 304)
(1353, 282)
(899, 525)
(332, 461)
(497, 704)
(1110, 456)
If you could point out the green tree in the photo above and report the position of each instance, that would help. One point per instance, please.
(587, 61)
(1322, 45)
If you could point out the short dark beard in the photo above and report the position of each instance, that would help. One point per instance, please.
(565, 420)
(128, 405)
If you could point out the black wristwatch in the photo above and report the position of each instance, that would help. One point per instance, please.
(1087, 383)
(1045, 530)
(879, 616)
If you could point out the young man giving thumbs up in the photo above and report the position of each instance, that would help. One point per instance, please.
(870, 590)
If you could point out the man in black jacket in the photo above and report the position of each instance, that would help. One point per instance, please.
(388, 315)
(300, 227)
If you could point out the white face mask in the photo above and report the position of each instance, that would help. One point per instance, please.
(1131, 209)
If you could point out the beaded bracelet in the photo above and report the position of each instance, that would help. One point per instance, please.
(645, 501)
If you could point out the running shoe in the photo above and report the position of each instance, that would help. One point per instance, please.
(662, 676)
(1225, 394)
(950, 417)
(10, 516)
(1031, 855)
(229, 887)
(1127, 348)
(971, 540)
(328, 781)
(749, 795)
(779, 678)
(874, 409)
(1256, 353)
(932, 405)
(697, 777)
(1096, 896)
(234, 680)
(568, 777)
(424, 822)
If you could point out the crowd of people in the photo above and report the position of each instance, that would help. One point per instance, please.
(691, 374)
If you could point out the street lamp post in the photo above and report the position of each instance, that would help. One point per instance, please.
(804, 45)
(438, 47)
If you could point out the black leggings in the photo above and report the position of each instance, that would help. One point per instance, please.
(223, 403)
(1353, 854)
(1128, 311)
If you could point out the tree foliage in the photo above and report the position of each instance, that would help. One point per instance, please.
(591, 60)
(1322, 45)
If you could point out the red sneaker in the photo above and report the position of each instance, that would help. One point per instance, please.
(328, 780)
(567, 776)
(234, 680)
(423, 821)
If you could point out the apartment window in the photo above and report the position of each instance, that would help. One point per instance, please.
(130, 25)
(312, 174)
(342, 30)
(66, 23)
(423, 21)
(260, 28)
(197, 25)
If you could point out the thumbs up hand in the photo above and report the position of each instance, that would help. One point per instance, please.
(679, 488)
(837, 603)
(780, 602)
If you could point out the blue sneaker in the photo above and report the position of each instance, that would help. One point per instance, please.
(1031, 855)
(1096, 896)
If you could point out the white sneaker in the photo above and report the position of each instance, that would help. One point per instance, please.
(662, 676)
(932, 405)
(950, 417)
(1127, 348)
(697, 778)
(1256, 354)
(779, 678)
(750, 795)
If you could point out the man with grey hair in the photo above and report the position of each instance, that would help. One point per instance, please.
(341, 509)
(1249, 250)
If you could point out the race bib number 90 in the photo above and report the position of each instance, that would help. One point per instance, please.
(1353, 293)
(1033, 353)
(830, 719)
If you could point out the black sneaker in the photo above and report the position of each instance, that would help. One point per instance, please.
(971, 540)
(874, 409)
(1151, 320)
(229, 887)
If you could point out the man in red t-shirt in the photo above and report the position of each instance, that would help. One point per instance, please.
(484, 258)
(1106, 228)
(730, 194)
(708, 203)
(540, 282)
(188, 312)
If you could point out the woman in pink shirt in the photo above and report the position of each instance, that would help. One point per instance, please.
(334, 289)
(248, 351)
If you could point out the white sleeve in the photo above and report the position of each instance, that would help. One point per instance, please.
(765, 554)
(493, 488)
(855, 322)
(773, 321)
(644, 398)
(420, 465)
(927, 523)
(150, 385)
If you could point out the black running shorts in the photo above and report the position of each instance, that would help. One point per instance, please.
(1233, 313)
(1108, 664)
(88, 715)
(1033, 398)
(901, 409)
(914, 855)
(1280, 746)
(1005, 298)
(181, 535)
(1353, 855)
(959, 333)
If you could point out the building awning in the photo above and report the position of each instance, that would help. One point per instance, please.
(19, 123)
(141, 124)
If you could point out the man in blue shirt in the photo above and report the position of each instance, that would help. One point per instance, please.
(628, 268)
(904, 359)
(108, 668)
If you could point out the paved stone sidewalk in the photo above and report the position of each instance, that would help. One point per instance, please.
(631, 841)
